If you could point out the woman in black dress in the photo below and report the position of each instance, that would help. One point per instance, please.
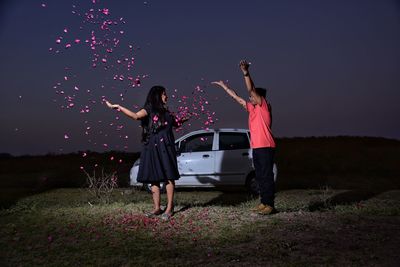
(158, 161)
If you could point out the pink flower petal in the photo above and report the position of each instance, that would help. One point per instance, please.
(105, 11)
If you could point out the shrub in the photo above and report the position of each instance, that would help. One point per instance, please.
(101, 186)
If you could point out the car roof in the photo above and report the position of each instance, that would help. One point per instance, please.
(238, 130)
(231, 130)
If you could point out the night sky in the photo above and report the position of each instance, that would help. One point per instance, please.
(331, 68)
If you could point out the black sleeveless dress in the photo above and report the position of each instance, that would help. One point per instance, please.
(158, 161)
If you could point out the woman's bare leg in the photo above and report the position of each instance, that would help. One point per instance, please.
(155, 190)
(170, 196)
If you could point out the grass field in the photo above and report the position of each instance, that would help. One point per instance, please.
(338, 201)
(63, 227)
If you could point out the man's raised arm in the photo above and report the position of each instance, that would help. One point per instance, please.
(244, 67)
(232, 93)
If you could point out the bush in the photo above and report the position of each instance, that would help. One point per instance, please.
(101, 186)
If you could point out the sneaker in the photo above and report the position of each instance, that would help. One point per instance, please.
(259, 207)
(267, 210)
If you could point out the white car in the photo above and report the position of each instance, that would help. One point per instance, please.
(212, 158)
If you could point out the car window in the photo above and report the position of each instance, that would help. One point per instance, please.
(230, 141)
(197, 143)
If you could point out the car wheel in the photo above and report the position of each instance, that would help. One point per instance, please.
(148, 187)
(252, 184)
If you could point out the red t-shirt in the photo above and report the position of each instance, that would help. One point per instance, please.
(260, 125)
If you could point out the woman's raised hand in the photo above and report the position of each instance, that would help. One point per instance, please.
(113, 106)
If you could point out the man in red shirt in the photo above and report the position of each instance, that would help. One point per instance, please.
(262, 140)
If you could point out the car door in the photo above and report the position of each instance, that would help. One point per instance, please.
(233, 158)
(196, 160)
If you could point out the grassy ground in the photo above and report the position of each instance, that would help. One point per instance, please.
(66, 227)
(338, 202)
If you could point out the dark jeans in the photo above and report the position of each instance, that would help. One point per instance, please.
(263, 159)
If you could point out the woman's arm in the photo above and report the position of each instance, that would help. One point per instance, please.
(232, 93)
(136, 116)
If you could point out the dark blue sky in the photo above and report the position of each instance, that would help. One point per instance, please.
(331, 67)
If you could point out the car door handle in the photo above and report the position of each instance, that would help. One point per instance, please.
(245, 154)
(206, 156)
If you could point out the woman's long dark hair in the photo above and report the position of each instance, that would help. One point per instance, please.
(156, 106)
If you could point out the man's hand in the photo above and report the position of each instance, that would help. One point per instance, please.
(113, 106)
(221, 84)
(244, 66)
(232, 93)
